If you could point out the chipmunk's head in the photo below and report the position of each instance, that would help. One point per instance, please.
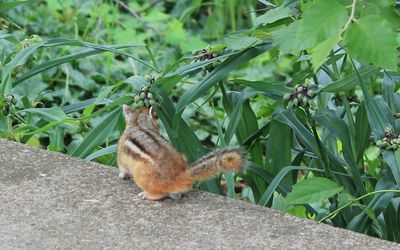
(145, 118)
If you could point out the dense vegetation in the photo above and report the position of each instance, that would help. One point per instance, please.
(309, 90)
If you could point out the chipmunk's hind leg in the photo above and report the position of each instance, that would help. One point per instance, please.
(175, 196)
(152, 196)
(124, 173)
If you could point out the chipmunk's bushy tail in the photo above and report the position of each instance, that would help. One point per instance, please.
(215, 162)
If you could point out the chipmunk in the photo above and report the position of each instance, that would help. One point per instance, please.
(156, 166)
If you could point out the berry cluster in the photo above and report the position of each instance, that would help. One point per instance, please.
(144, 98)
(207, 54)
(7, 104)
(204, 54)
(390, 141)
(352, 98)
(302, 97)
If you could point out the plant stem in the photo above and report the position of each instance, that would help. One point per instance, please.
(334, 213)
(351, 18)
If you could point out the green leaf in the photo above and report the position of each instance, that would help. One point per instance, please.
(239, 41)
(313, 190)
(320, 52)
(4, 7)
(279, 143)
(322, 20)
(272, 16)
(104, 151)
(53, 114)
(94, 49)
(174, 32)
(288, 38)
(218, 74)
(372, 40)
(339, 129)
(273, 90)
(350, 81)
(288, 117)
(18, 59)
(276, 181)
(377, 119)
(362, 222)
(392, 159)
(235, 118)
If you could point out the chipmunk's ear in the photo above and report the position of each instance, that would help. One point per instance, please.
(128, 112)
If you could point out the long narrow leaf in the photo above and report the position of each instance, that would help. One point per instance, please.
(98, 135)
(219, 73)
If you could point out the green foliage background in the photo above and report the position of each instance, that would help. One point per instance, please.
(308, 89)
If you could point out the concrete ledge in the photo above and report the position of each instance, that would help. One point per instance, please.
(53, 201)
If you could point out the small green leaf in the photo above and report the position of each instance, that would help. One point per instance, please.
(372, 40)
(313, 190)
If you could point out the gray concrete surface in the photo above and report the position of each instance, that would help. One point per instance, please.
(53, 201)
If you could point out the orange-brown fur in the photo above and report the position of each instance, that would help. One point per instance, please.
(157, 167)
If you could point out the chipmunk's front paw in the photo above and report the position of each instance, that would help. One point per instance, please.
(124, 175)
(142, 195)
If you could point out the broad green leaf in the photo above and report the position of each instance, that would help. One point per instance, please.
(174, 32)
(322, 20)
(288, 39)
(320, 52)
(313, 190)
(273, 16)
(372, 40)
(98, 135)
